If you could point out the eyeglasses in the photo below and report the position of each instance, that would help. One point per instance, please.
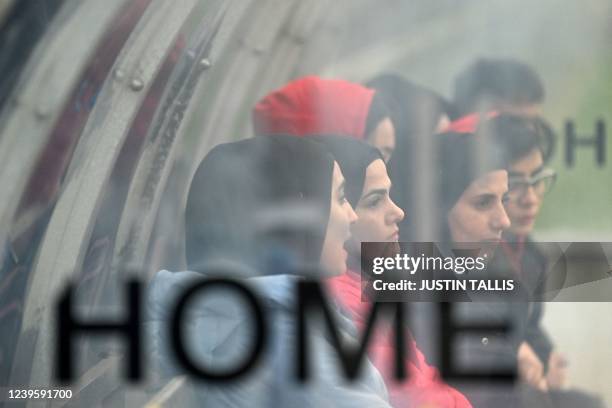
(542, 183)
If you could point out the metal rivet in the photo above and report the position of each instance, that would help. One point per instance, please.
(119, 74)
(205, 63)
(136, 84)
(484, 341)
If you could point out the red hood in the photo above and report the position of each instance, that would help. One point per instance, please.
(468, 123)
(314, 106)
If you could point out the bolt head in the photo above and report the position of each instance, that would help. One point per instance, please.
(205, 63)
(119, 74)
(136, 84)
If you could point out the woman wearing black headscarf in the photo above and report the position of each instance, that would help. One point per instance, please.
(273, 207)
(367, 189)
(247, 195)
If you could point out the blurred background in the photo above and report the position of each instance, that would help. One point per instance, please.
(107, 107)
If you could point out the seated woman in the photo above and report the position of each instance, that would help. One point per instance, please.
(367, 187)
(472, 210)
(526, 143)
(541, 365)
(264, 210)
(332, 113)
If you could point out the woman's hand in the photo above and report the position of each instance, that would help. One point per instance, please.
(531, 369)
(556, 377)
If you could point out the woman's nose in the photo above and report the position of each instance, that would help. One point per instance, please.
(396, 214)
(529, 197)
(352, 215)
(501, 220)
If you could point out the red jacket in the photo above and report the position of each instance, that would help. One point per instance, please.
(424, 387)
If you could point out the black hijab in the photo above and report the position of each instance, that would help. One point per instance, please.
(353, 156)
(258, 195)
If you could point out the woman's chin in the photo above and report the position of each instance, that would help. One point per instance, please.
(339, 264)
(338, 269)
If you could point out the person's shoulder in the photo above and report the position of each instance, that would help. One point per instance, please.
(164, 290)
(166, 281)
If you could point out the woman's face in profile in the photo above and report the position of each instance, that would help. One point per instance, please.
(479, 214)
(341, 216)
(378, 215)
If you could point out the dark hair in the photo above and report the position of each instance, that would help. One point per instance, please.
(518, 135)
(377, 112)
(496, 80)
(464, 157)
(415, 112)
(461, 159)
(353, 156)
(410, 105)
(237, 187)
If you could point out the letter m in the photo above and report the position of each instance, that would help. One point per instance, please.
(312, 299)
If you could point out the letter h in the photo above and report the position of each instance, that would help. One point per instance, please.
(598, 142)
(68, 327)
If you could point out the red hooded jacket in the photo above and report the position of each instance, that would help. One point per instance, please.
(424, 387)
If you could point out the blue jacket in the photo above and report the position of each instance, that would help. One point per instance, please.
(218, 332)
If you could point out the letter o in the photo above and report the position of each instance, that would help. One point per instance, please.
(177, 341)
